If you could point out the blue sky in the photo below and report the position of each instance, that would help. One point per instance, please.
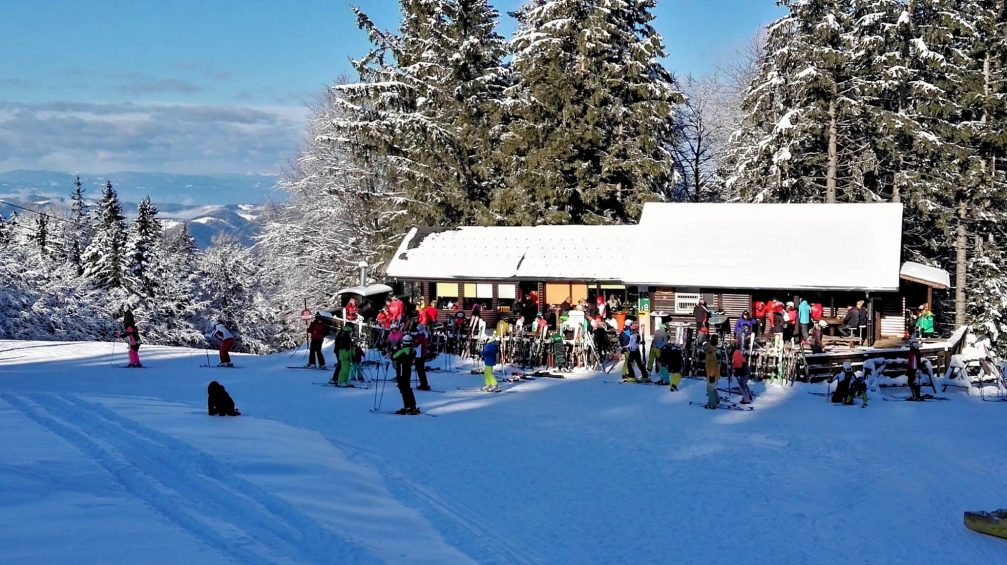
(211, 86)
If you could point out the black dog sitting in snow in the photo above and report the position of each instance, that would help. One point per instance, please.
(218, 402)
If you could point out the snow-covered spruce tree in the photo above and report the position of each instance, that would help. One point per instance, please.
(236, 294)
(142, 250)
(78, 236)
(798, 115)
(176, 311)
(590, 113)
(104, 258)
(41, 237)
(422, 105)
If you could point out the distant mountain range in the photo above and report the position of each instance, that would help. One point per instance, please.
(211, 204)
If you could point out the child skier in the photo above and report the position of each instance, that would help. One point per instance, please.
(403, 359)
(672, 363)
(489, 354)
(632, 349)
(849, 387)
(132, 336)
(712, 373)
(656, 346)
(740, 368)
(422, 341)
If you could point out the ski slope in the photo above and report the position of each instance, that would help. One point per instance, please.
(107, 465)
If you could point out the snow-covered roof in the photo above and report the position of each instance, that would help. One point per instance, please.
(530, 253)
(369, 290)
(924, 274)
(750, 246)
(771, 246)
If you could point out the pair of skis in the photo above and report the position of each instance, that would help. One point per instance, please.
(724, 406)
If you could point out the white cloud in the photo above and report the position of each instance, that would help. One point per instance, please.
(176, 138)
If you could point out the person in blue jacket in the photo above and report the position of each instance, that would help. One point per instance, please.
(490, 353)
(744, 327)
(804, 318)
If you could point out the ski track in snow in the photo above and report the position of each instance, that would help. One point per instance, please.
(188, 488)
(566, 471)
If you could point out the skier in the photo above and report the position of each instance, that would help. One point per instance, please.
(656, 345)
(403, 359)
(132, 336)
(317, 330)
(395, 309)
(344, 355)
(631, 349)
(849, 386)
(912, 365)
(422, 341)
(226, 339)
(712, 373)
(671, 362)
(489, 355)
(740, 368)
(127, 317)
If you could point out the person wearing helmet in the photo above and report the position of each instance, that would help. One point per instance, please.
(912, 366)
(489, 356)
(403, 359)
(850, 386)
(656, 345)
(344, 356)
(631, 348)
(317, 330)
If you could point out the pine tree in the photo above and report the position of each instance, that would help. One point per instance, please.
(590, 114)
(143, 249)
(104, 258)
(41, 235)
(79, 235)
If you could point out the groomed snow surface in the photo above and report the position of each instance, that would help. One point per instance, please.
(112, 465)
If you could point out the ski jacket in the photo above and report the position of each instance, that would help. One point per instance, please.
(490, 352)
(804, 312)
(743, 326)
(852, 318)
(712, 363)
(702, 316)
(404, 355)
(428, 315)
(816, 311)
(759, 308)
(624, 339)
(925, 323)
(383, 319)
(660, 339)
(913, 361)
(395, 309)
(634, 341)
(864, 317)
(420, 341)
(350, 312)
(737, 359)
(318, 329)
(477, 310)
(671, 357)
(220, 331)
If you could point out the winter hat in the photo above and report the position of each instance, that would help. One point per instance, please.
(634, 326)
(823, 324)
(407, 339)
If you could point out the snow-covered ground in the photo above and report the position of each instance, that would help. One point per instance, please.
(102, 464)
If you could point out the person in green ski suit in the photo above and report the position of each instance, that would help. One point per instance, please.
(344, 355)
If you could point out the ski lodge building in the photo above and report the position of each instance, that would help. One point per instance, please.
(729, 254)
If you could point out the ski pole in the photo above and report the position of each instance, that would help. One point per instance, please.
(111, 359)
(207, 352)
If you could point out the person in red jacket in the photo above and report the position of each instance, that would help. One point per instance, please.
(431, 311)
(396, 309)
(759, 311)
(350, 312)
(384, 319)
(317, 330)
(423, 314)
(770, 311)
